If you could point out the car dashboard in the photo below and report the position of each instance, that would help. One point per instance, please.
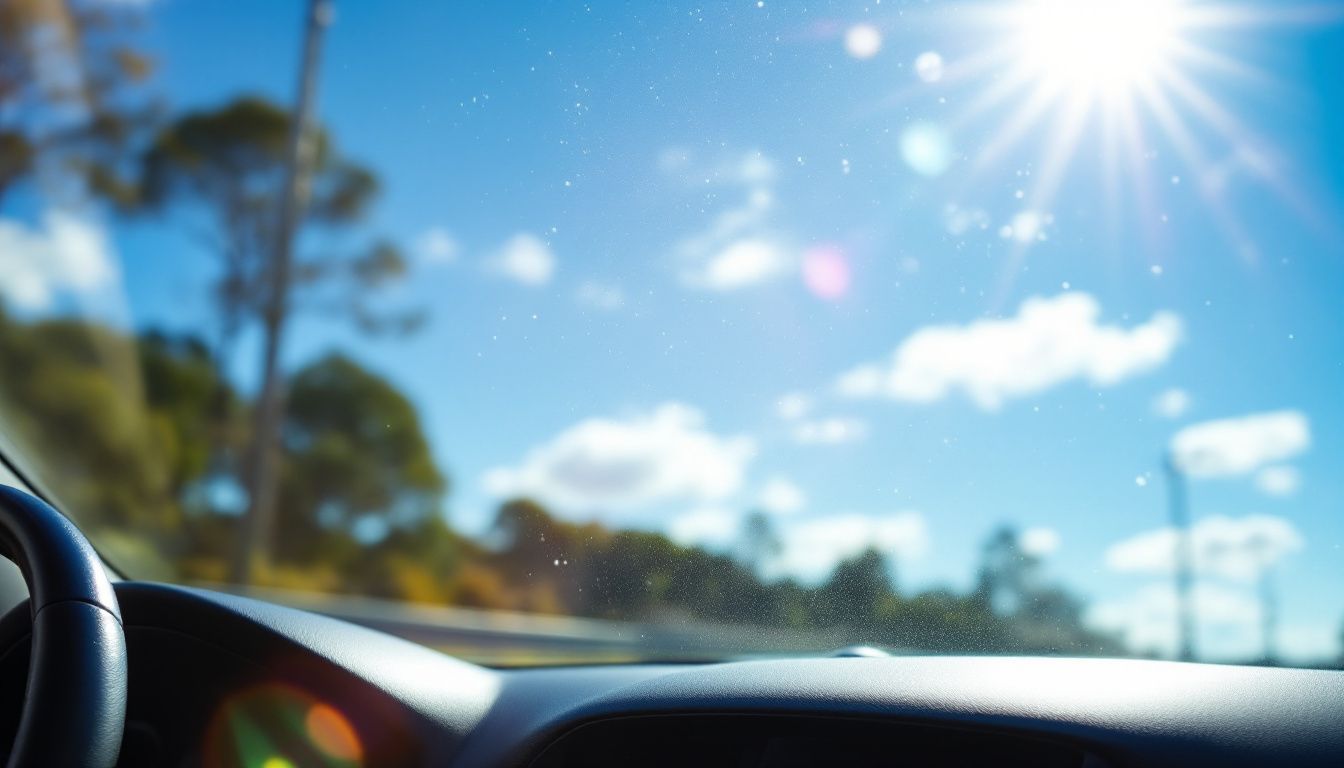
(222, 680)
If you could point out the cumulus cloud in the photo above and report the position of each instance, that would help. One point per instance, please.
(715, 527)
(436, 246)
(1147, 619)
(739, 248)
(625, 463)
(598, 295)
(64, 255)
(1278, 480)
(741, 263)
(1171, 403)
(1229, 447)
(830, 431)
(524, 258)
(1049, 341)
(1040, 541)
(812, 548)
(1232, 548)
(780, 496)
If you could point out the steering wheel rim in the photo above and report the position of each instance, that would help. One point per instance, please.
(74, 708)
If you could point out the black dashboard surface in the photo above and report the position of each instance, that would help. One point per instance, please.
(199, 659)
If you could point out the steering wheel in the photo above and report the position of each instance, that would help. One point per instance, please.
(75, 706)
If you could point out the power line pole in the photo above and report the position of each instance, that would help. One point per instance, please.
(255, 537)
(1269, 600)
(1184, 579)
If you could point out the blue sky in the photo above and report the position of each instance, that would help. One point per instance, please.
(654, 239)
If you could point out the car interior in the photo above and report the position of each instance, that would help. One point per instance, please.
(598, 383)
(99, 672)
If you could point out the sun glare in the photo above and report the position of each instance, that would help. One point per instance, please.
(1130, 87)
(1096, 48)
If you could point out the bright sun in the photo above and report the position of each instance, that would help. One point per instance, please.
(1136, 82)
(1096, 48)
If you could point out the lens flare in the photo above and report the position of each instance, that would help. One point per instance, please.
(277, 725)
(1125, 86)
(929, 66)
(926, 149)
(863, 41)
(332, 733)
(826, 272)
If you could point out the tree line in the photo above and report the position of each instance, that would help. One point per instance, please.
(128, 429)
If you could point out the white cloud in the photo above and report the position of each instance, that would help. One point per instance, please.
(1231, 548)
(607, 463)
(739, 248)
(65, 255)
(1278, 480)
(812, 548)
(524, 258)
(742, 263)
(1049, 341)
(603, 296)
(862, 381)
(830, 431)
(436, 246)
(1171, 403)
(793, 405)
(1229, 447)
(1147, 619)
(1040, 541)
(715, 527)
(780, 496)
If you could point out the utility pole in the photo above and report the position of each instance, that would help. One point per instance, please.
(254, 541)
(1184, 578)
(1269, 602)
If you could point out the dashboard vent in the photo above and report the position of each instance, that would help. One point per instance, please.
(796, 741)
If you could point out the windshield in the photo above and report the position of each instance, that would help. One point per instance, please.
(612, 331)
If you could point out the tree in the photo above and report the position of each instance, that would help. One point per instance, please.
(223, 170)
(856, 591)
(70, 402)
(1030, 614)
(182, 387)
(760, 544)
(356, 465)
(1008, 573)
(70, 84)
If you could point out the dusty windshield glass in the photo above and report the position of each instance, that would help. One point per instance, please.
(652, 330)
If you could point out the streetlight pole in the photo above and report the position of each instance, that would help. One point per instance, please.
(1269, 603)
(1178, 507)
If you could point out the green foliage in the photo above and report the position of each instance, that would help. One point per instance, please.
(126, 428)
(353, 456)
(63, 394)
(70, 91)
(223, 170)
